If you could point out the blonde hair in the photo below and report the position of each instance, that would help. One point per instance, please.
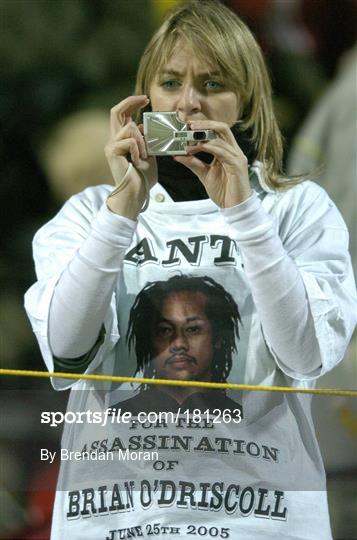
(215, 32)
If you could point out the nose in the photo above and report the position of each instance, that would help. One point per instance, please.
(179, 342)
(189, 102)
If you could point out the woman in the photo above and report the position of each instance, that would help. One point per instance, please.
(278, 246)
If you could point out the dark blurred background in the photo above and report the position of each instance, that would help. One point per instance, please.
(64, 64)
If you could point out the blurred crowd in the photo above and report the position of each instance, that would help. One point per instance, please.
(64, 64)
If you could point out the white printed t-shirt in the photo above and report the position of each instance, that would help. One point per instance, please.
(194, 238)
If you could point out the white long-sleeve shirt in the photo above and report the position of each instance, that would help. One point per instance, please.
(234, 247)
(292, 240)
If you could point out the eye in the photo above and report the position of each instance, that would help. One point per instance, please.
(193, 330)
(163, 330)
(213, 85)
(170, 84)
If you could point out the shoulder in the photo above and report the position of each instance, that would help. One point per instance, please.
(310, 225)
(77, 213)
(87, 202)
(56, 242)
(306, 203)
(304, 193)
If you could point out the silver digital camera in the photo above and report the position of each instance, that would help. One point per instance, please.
(165, 134)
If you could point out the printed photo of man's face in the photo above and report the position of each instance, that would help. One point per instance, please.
(184, 328)
(181, 338)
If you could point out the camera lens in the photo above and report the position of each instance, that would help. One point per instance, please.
(199, 135)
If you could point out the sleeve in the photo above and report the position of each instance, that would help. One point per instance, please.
(55, 246)
(297, 262)
(317, 239)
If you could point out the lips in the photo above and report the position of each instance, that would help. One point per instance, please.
(179, 360)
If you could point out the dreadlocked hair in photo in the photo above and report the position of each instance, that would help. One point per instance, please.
(221, 311)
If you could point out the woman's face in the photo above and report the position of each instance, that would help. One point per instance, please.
(192, 88)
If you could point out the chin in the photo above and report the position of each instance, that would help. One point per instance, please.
(181, 375)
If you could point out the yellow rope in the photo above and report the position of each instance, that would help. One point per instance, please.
(225, 386)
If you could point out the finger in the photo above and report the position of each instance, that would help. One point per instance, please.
(220, 128)
(132, 130)
(123, 148)
(225, 154)
(141, 129)
(121, 113)
(142, 146)
(200, 146)
(222, 144)
(233, 147)
(129, 105)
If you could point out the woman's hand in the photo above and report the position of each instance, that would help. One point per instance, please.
(226, 179)
(126, 140)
